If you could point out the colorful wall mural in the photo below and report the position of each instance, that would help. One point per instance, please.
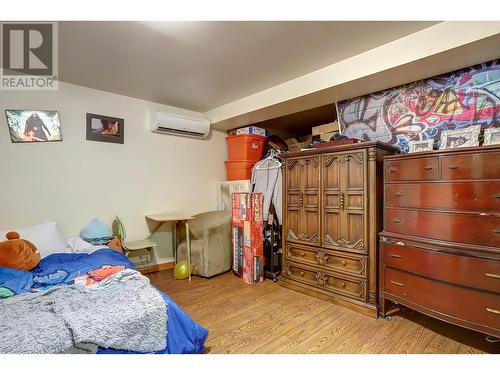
(421, 110)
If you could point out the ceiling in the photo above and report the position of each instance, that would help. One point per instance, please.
(202, 65)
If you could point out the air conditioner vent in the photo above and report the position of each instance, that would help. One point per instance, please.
(170, 123)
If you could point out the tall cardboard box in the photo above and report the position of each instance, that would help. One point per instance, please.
(247, 237)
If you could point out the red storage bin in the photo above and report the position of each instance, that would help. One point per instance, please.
(245, 147)
(239, 169)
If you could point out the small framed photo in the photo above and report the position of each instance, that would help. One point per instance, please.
(26, 126)
(491, 136)
(104, 128)
(419, 146)
(467, 137)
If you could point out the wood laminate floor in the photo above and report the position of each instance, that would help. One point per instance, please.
(268, 318)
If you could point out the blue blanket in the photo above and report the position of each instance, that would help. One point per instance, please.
(184, 334)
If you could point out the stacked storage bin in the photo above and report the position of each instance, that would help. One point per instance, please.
(244, 149)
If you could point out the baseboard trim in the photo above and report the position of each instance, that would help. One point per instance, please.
(159, 267)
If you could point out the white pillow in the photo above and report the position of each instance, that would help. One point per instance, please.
(45, 236)
(77, 245)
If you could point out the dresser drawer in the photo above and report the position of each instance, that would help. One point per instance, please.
(412, 169)
(334, 260)
(471, 166)
(459, 302)
(467, 196)
(329, 281)
(301, 254)
(464, 270)
(474, 229)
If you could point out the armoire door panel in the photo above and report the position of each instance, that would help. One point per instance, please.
(311, 173)
(354, 201)
(293, 229)
(355, 171)
(311, 227)
(311, 199)
(310, 220)
(293, 175)
(332, 199)
(293, 199)
(354, 231)
(344, 177)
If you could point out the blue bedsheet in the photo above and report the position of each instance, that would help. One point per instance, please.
(184, 334)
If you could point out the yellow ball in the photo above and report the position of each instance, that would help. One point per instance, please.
(181, 270)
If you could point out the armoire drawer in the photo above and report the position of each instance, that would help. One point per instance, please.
(471, 166)
(464, 270)
(477, 229)
(412, 169)
(334, 260)
(347, 286)
(466, 196)
(459, 302)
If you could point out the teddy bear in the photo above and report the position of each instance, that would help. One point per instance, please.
(17, 253)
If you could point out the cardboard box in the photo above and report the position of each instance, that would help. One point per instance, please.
(332, 127)
(247, 237)
(252, 130)
(295, 144)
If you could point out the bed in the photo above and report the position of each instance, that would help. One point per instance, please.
(183, 334)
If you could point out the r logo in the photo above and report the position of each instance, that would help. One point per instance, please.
(27, 49)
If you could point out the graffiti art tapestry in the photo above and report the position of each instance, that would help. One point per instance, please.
(421, 110)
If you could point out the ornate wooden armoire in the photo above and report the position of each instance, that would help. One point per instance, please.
(332, 206)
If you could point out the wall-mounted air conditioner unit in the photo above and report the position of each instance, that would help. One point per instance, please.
(170, 123)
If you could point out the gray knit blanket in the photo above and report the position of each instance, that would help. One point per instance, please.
(122, 312)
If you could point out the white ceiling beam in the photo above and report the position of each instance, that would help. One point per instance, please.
(433, 41)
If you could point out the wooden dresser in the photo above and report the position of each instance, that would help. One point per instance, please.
(440, 247)
(332, 205)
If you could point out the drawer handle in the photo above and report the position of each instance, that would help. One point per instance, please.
(396, 221)
(397, 283)
(302, 254)
(342, 284)
(492, 275)
(497, 196)
(392, 170)
(453, 167)
(344, 263)
(428, 168)
(395, 255)
(496, 231)
(493, 311)
(301, 273)
(398, 194)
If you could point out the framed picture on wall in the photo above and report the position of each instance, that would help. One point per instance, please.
(467, 137)
(104, 128)
(27, 126)
(419, 146)
(491, 136)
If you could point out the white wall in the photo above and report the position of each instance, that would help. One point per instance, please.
(75, 180)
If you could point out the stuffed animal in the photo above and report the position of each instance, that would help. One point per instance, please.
(17, 253)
